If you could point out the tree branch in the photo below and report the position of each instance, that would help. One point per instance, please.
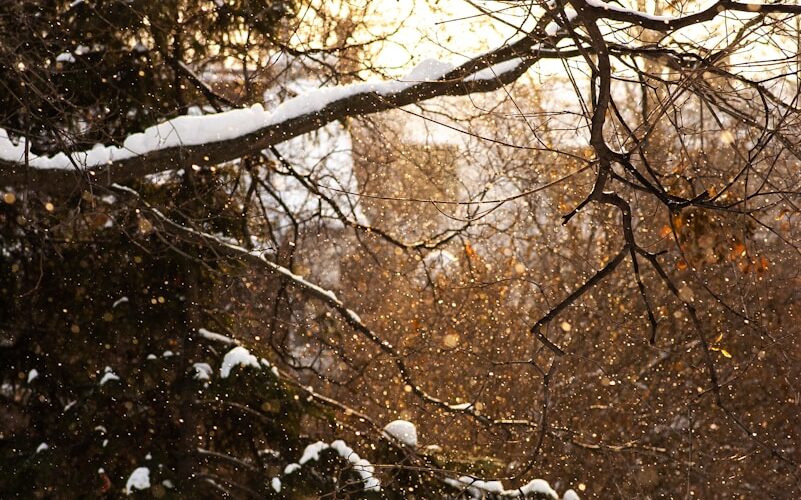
(218, 138)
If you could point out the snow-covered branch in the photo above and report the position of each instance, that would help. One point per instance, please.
(226, 136)
(217, 138)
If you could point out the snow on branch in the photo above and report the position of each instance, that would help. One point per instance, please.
(215, 337)
(190, 130)
(361, 466)
(216, 138)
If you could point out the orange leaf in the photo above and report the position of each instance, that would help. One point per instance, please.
(469, 251)
(739, 250)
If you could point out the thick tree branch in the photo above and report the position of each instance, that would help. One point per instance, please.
(165, 149)
(614, 12)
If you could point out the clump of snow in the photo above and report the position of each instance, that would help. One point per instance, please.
(202, 371)
(571, 495)
(367, 472)
(167, 354)
(42, 447)
(138, 480)
(342, 449)
(33, 375)
(120, 301)
(354, 316)
(488, 486)
(289, 469)
(273, 368)
(361, 466)
(65, 57)
(217, 337)
(312, 452)
(315, 100)
(479, 488)
(238, 356)
(540, 486)
(108, 376)
(402, 430)
(269, 452)
(276, 484)
(428, 70)
(461, 406)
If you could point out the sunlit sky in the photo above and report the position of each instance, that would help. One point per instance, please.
(454, 30)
